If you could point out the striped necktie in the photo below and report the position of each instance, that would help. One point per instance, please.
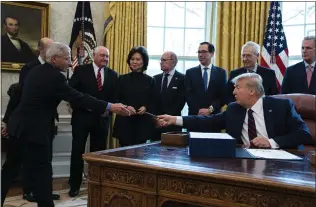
(99, 80)
(309, 74)
(252, 130)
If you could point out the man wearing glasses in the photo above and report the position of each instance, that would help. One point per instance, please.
(249, 55)
(170, 91)
(205, 84)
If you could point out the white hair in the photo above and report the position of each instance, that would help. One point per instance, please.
(254, 81)
(56, 48)
(97, 49)
(255, 47)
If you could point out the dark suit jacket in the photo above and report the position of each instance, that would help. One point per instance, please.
(269, 81)
(197, 97)
(172, 101)
(283, 124)
(9, 53)
(43, 90)
(26, 69)
(14, 93)
(84, 81)
(295, 80)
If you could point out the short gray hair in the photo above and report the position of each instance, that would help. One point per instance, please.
(311, 37)
(255, 46)
(174, 57)
(254, 81)
(56, 48)
(97, 49)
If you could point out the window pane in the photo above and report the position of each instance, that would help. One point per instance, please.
(293, 13)
(294, 36)
(153, 67)
(180, 66)
(155, 41)
(195, 14)
(294, 61)
(155, 12)
(191, 63)
(310, 12)
(310, 30)
(192, 39)
(175, 14)
(174, 41)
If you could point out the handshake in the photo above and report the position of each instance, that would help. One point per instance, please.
(124, 110)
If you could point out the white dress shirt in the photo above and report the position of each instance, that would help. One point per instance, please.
(313, 66)
(41, 60)
(258, 116)
(16, 43)
(208, 72)
(253, 69)
(96, 69)
(171, 73)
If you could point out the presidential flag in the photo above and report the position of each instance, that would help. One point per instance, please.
(83, 40)
(275, 54)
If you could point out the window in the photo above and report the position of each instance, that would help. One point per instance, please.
(298, 22)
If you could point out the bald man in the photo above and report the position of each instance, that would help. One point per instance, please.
(99, 81)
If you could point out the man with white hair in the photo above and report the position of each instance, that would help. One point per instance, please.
(249, 54)
(29, 126)
(253, 120)
(99, 81)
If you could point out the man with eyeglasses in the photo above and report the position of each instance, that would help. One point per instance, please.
(249, 55)
(170, 91)
(205, 84)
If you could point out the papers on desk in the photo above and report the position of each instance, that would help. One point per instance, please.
(272, 154)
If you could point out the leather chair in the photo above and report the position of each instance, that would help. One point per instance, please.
(305, 105)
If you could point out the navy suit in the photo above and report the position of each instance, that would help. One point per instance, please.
(283, 124)
(295, 80)
(269, 81)
(171, 101)
(196, 95)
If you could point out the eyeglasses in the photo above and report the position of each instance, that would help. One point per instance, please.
(165, 60)
(202, 51)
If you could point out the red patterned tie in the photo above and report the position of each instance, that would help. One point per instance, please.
(252, 131)
(99, 80)
(309, 75)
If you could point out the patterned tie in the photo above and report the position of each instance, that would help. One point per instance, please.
(309, 74)
(252, 132)
(165, 83)
(205, 77)
(99, 80)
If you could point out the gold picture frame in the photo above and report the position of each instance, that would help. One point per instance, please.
(27, 22)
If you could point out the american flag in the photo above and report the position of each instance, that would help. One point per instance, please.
(275, 54)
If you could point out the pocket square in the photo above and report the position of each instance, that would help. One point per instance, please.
(174, 87)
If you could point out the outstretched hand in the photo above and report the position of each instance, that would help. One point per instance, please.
(166, 120)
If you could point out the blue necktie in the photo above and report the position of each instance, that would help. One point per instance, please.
(205, 77)
(164, 83)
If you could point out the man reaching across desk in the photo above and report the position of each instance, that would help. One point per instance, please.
(253, 120)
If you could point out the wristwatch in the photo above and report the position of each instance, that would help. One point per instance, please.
(210, 109)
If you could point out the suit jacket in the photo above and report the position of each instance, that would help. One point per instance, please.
(84, 81)
(9, 53)
(283, 124)
(172, 101)
(26, 69)
(43, 89)
(196, 95)
(295, 80)
(269, 81)
(14, 93)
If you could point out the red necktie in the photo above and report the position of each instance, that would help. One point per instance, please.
(309, 75)
(99, 80)
(252, 131)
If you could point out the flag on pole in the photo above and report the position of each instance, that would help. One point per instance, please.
(83, 40)
(275, 54)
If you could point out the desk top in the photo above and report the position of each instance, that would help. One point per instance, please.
(295, 175)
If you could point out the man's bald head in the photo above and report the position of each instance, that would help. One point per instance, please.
(43, 44)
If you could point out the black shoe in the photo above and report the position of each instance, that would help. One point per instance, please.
(55, 196)
(73, 193)
(29, 197)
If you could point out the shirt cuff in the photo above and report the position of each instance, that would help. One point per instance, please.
(107, 110)
(179, 121)
(273, 144)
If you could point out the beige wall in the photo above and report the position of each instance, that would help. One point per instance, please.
(60, 26)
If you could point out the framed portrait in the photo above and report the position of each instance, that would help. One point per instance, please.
(23, 24)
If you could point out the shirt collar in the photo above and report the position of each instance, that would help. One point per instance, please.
(95, 67)
(41, 60)
(313, 64)
(209, 66)
(257, 107)
(254, 69)
(10, 36)
(171, 73)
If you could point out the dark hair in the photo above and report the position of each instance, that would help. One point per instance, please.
(12, 17)
(143, 52)
(211, 47)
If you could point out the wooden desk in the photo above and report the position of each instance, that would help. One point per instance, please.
(152, 175)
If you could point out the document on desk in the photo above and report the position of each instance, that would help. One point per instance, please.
(273, 154)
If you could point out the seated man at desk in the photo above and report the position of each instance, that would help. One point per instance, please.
(253, 120)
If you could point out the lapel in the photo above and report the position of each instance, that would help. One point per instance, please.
(238, 118)
(199, 78)
(106, 74)
(91, 76)
(268, 116)
(301, 72)
(213, 77)
(11, 44)
(173, 81)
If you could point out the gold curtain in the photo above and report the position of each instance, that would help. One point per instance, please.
(237, 23)
(126, 28)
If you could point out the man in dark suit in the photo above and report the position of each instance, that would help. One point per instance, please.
(170, 91)
(29, 126)
(250, 53)
(253, 120)
(301, 77)
(205, 84)
(99, 81)
(14, 49)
